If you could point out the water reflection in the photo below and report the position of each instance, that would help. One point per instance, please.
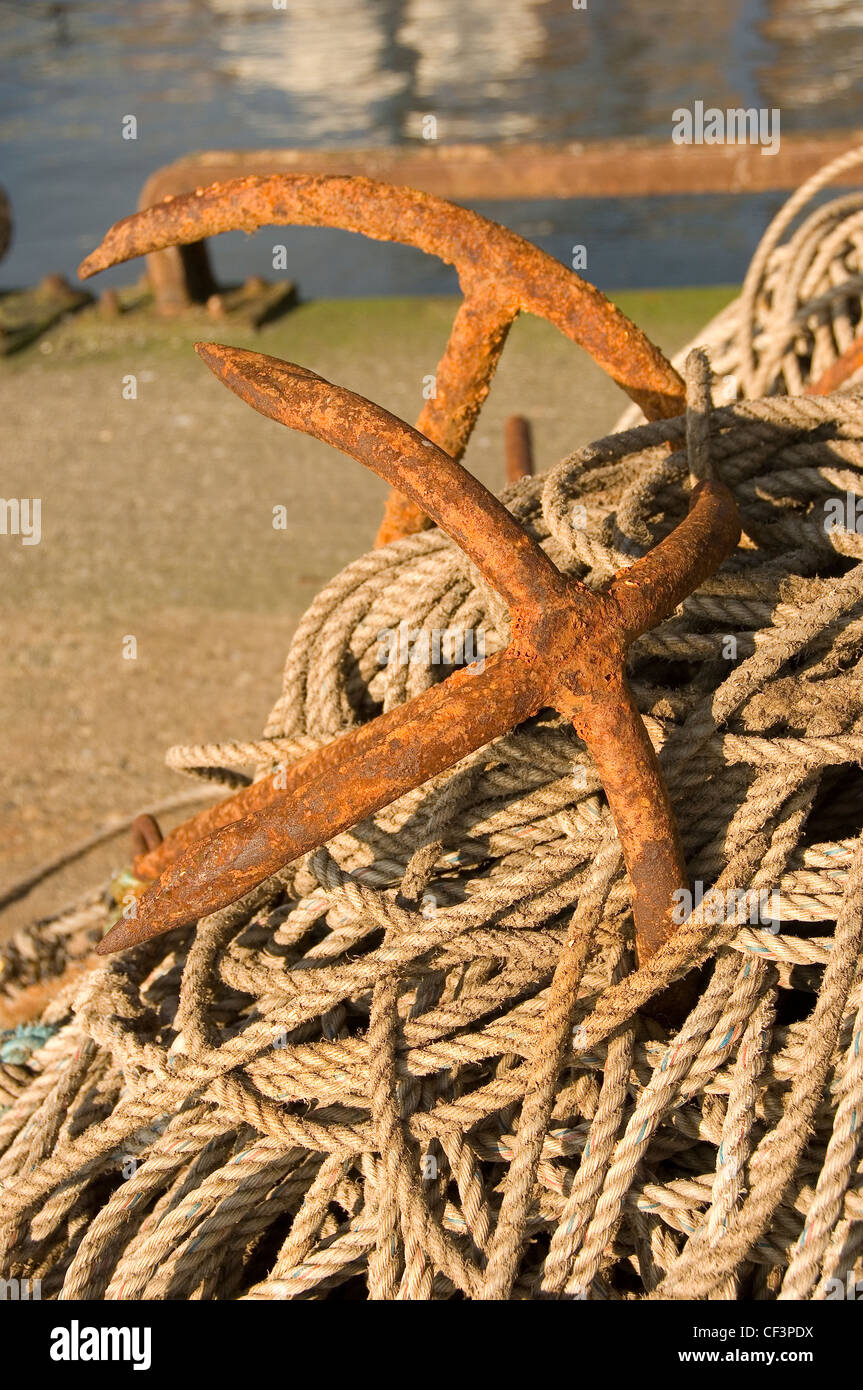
(472, 66)
(337, 65)
(239, 73)
(815, 50)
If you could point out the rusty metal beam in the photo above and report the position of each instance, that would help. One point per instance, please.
(577, 169)
(518, 448)
(596, 169)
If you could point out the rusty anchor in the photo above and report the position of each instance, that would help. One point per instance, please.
(568, 644)
(567, 651)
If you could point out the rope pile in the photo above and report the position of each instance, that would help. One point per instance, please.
(421, 1063)
(800, 306)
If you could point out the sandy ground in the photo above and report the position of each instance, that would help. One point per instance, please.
(157, 524)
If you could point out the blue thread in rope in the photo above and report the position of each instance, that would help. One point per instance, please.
(18, 1044)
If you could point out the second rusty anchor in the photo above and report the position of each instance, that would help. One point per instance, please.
(501, 275)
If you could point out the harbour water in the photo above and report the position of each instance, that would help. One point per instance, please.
(234, 74)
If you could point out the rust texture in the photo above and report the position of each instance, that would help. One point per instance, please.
(475, 171)
(146, 834)
(567, 651)
(518, 449)
(839, 371)
(500, 275)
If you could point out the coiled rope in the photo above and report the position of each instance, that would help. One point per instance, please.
(800, 306)
(421, 1063)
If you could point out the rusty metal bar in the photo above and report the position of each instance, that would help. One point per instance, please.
(638, 800)
(630, 167)
(146, 835)
(839, 371)
(399, 751)
(462, 381)
(464, 373)
(518, 448)
(651, 589)
(594, 169)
